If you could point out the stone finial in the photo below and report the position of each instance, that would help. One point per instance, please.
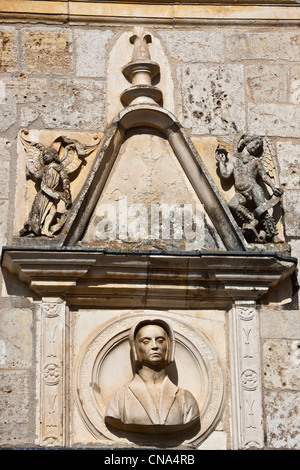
(140, 42)
(141, 71)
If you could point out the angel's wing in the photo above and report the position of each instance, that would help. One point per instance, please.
(34, 160)
(74, 153)
(269, 160)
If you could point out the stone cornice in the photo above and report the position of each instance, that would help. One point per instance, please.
(155, 11)
(99, 278)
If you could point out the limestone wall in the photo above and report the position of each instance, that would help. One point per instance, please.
(236, 76)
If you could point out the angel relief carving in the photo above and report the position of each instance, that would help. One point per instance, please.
(51, 168)
(252, 166)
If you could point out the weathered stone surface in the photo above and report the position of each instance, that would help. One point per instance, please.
(281, 364)
(24, 88)
(8, 50)
(15, 331)
(4, 180)
(14, 405)
(266, 83)
(91, 46)
(48, 51)
(295, 251)
(28, 115)
(75, 104)
(5, 166)
(212, 98)
(288, 158)
(292, 212)
(280, 323)
(272, 119)
(194, 46)
(216, 441)
(8, 110)
(3, 221)
(271, 45)
(282, 415)
(295, 85)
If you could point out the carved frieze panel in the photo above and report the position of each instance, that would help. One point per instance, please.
(109, 349)
(246, 376)
(51, 374)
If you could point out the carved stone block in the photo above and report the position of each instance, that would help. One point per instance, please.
(281, 364)
(287, 153)
(91, 49)
(263, 46)
(212, 98)
(292, 212)
(8, 45)
(49, 51)
(194, 46)
(282, 409)
(274, 119)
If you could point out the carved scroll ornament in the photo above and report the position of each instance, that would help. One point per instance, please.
(251, 166)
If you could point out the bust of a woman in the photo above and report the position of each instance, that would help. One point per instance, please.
(151, 403)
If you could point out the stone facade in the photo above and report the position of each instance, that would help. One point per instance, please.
(224, 70)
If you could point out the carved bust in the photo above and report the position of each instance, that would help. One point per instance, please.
(151, 402)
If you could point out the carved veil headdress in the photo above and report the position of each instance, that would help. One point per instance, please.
(134, 330)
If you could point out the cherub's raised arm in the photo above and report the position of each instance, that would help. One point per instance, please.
(225, 166)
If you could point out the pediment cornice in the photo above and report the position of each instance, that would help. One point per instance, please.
(102, 278)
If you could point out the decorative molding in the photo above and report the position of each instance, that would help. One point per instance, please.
(91, 278)
(246, 391)
(272, 12)
(51, 374)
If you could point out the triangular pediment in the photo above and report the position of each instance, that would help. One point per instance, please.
(148, 201)
(149, 189)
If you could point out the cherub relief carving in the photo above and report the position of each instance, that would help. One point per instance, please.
(151, 403)
(52, 174)
(251, 166)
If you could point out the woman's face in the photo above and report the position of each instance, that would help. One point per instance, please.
(151, 345)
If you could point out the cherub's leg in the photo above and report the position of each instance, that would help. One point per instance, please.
(268, 221)
(258, 195)
(237, 206)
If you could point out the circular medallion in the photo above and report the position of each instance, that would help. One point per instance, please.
(249, 379)
(51, 374)
(105, 364)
